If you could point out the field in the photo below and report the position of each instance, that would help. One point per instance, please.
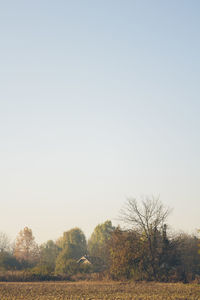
(97, 290)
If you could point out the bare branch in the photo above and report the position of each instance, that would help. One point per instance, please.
(146, 216)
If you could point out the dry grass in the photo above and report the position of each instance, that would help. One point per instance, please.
(97, 290)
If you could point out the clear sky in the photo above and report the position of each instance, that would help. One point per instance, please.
(99, 101)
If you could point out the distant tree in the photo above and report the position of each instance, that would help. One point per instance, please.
(73, 244)
(4, 242)
(198, 231)
(26, 249)
(65, 266)
(8, 261)
(148, 218)
(70, 253)
(76, 238)
(48, 254)
(189, 258)
(98, 242)
(127, 255)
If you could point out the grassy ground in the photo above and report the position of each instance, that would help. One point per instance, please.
(98, 290)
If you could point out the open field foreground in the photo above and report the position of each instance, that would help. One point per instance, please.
(97, 290)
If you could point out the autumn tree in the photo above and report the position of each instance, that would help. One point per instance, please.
(189, 259)
(26, 249)
(148, 218)
(127, 255)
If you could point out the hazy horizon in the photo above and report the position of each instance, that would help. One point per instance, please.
(99, 102)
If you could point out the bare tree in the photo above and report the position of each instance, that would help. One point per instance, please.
(149, 214)
(148, 217)
(4, 242)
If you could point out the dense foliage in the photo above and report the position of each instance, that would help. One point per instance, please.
(144, 251)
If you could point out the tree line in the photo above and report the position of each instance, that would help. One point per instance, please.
(143, 249)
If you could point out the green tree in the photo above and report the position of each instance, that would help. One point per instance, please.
(48, 254)
(8, 261)
(69, 254)
(76, 238)
(73, 244)
(97, 244)
(65, 266)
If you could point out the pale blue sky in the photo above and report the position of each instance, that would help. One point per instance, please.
(99, 101)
